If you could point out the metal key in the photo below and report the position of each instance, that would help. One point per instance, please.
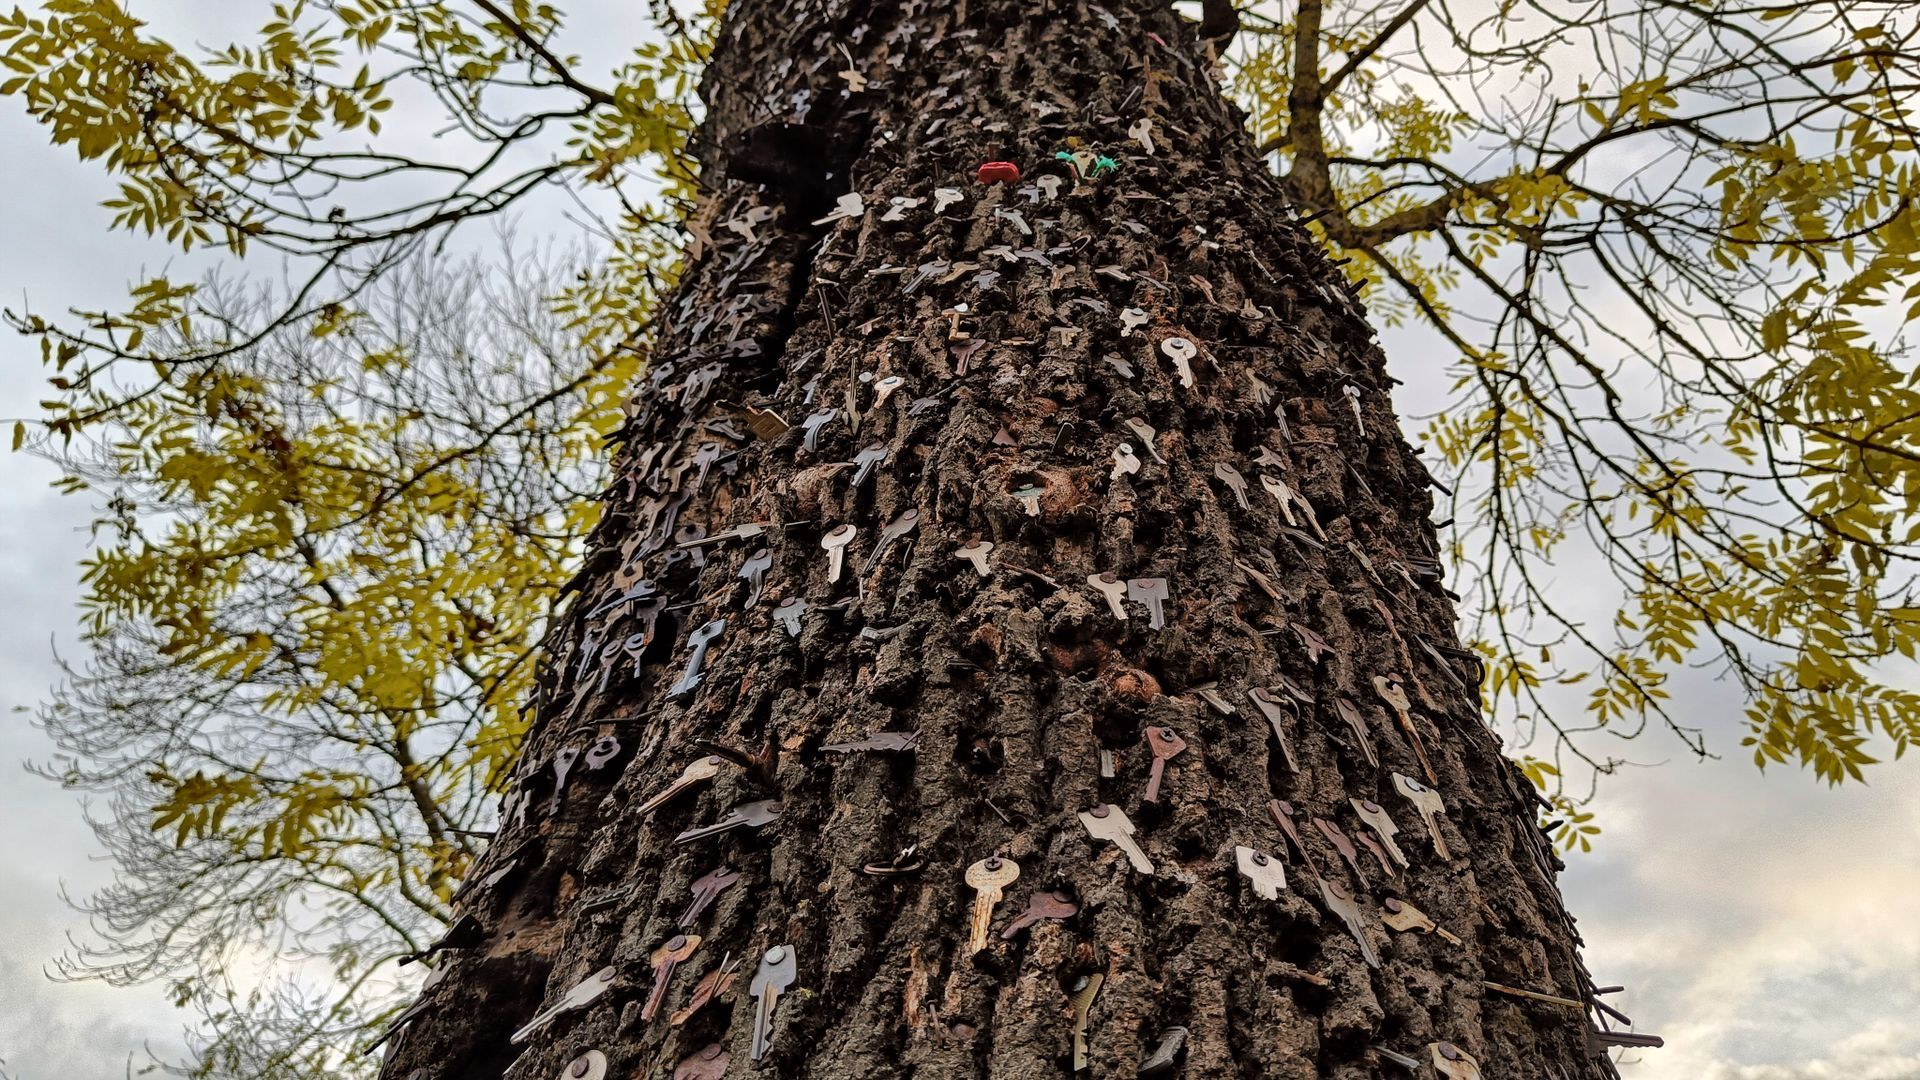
(1403, 916)
(1029, 497)
(1043, 905)
(865, 461)
(1381, 823)
(1132, 319)
(1353, 398)
(1151, 592)
(1181, 352)
(1348, 912)
(1125, 462)
(1108, 822)
(1310, 640)
(1344, 845)
(708, 1064)
(789, 611)
(989, 878)
(704, 769)
(1110, 586)
(699, 639)
(895, 529)
(1231, 477)
(664, 960)
(883, 390)
(1166, 1056)
(563, 760)
(945, 197)
(835, 544)
(705, 889)
(703, 459)
(1263, 870)
(1358, 725)
(1283, 815)
(712, 985)
(1141, 131)
(816, 420)
(1146, 435)
(1427, 802)
(1281, 494)
(1365, 840)
(976, 553)
(754, 573)
(604, 749)
(1164, 744)
(1084, 992)
(1390, 690)
(1276, 709)
(775, 975)
(1452, 1063)
(583, 994)
(751, 815)
(591, 1065)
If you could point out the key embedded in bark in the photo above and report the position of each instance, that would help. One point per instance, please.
(894, 530)
(584, 993)
(1412, 1065)
(751, 815)
(879, 740)
(1311, 641)
(976, 553)
(1043, 905)
(1283, 495)
(865, 461)
(1390, 690)
(635, 646)
(706, 889)
(1125, 462)
(1283, 816)
(604, 749)
(1165, 1057)
(1263, 870)
(1357, 724)
(945, 197)
(1343, 844)
(1381, 823)
(738, 532)
(850, 205)
(1366, 840)
(1276, 709)
(776, 973)
(1084, 992)
(696, 664)
(1342, 906)
(1236, 483)
(1181, 352)
(591, 1065)
(563, 760)
(1152, 592)
(713, 984)
(1210, 694)
(1029, 497)
(789, 611)
(1353, 398)
(664, 960)
(1164, 744)
(703, 459)
(816, 420)
(1427, 802)
(1141, 131)
(1108, 822)
(754, 573)
(708, 1064)
(1360, 556)
(1452, 1063)
(1146, 434)
(704, 769)
(899, 205)
(835, 543)
(884, 388)
(1132, 319)
(1109, 585)
(1403, 916)
(989, 878)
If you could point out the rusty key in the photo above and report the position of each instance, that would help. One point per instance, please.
(1043, 905)
(713, 984)
(704, 769)
(1338, 838)
(664, 960)
(776, 973)
(705, 889)
(1358, 725)
(708, 1064)
(1165, 744)
(989, 878)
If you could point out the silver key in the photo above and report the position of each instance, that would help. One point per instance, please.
(945, 197)
(1232, 478)
(563, 760)
(1146, 434)
(1264, 871)
(1124, 462)
(1276, 709)
(1108, 822)
(1427, 802)
(835, 544)
(1181, 352)
(583, 994)
(776, 973)
(816, 420)
(1110, 586)
(976, 553)
(1348, 912)
(751, 815)
(897, 528)
(1382, 825)
(865, 460)
(699, 639)
(754, 573)
(1152, 592)
(789, 612)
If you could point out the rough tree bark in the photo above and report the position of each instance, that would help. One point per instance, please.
(1002, 422)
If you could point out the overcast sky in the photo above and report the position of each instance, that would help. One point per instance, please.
(1767, 927)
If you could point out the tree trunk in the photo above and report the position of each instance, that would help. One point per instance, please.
(1085, 287)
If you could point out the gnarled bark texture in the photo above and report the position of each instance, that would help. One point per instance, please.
(1004, 427)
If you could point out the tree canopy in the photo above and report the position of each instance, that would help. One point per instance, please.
(1664, 247)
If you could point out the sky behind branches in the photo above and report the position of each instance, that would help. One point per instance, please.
(1764, 925)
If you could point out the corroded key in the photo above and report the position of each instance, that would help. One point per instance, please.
(751, 815)
(1164, 744)
(705, 889)
(816, 420)
(664, 960)
(700, 639)
(1390, 691)
(1381, 823)
(1166, 1057)
(1152, 592)
(584, 993)
(712, 985)
(1275, 709)
(1231, 477)
(789, 611)
(835, 544)
(1403, 916)
(708, 1064)
(563, 760)
(1084, 992)
(976, 553)
(989, 878)
(1358, 725)
(1043, 905)
(1310, 640)
(1110, 586)
(1427, 802)
(1348, 912)
(704, 769)
(1263, 870)
(776, 973)
(1341, 843)
(1108, 822)
(883, 389)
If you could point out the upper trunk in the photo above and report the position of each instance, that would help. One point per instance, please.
(1004, 346)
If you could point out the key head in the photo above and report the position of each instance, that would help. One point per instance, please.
(676, 949)
(591, 1065)
(1263, 871)
(708, 631)
(1390, 690)
(1452, 1063)
(993, 872)
(708, 1064)
(1147, 589)
(603, 750)
(839, 537)
(901, 525)
(755, 814)
(776, 972)
(715, 881)
(1164, 742)
(1179, 349)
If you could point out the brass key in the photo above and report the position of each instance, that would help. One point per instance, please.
(1084, 992)
(989, 877)
(665, 959)
(1452, 1063)
(704, 769)
(1165, 744)
(1403, 916)
(1107, 822)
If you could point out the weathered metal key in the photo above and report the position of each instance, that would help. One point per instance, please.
(1275, 709)
(1348, 912)
(1109, 585)
(1152, 592)
(705, 890)
(584, 993)
(751, 815)
(976, 553)
(1382, 825)
(989, 878)
(776, 973)
(1427, 802)
(1108, 822)
(895, 529)
(1084, 992)
(1231, 477)
(704, 769)
(708, 1064)
(1043, 905)
(713, 984)
(699, 639)
(665, 959)
(1165, 744)
(1263, 870)
(835, 544)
